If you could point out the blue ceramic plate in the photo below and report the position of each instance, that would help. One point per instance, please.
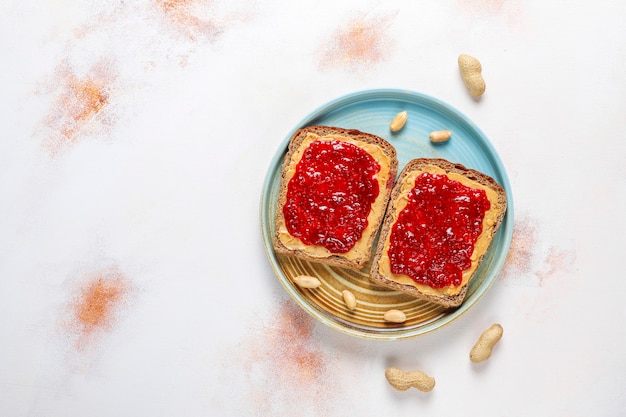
(371, 111)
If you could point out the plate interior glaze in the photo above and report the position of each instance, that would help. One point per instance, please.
(371, 111)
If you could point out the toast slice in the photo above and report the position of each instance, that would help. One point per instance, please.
(330, 210)
(424, 237)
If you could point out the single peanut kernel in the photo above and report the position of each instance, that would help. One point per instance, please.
(402, 381)
(306, 281)
(484, 346)
(440, 135)
(395, 316)
(399, 121)
(349, 299)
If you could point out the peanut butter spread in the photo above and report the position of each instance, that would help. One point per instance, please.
(360, 248)
(480, 247)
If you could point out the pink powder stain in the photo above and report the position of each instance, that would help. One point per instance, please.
(359, 43)
(533, 263)
(287, 370)
(522, 252)
(528, 261)
(556, 262)
(80, 107)
(554, 282)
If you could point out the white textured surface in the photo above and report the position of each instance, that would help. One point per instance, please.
(162, 181)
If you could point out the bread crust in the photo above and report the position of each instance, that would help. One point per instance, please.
(443, 299)
(370, 232)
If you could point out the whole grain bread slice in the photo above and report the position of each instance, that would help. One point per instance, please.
(369, 234)
(450, 297)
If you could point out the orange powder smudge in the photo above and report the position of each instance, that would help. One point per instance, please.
(511, 11)
(190, 17)
(287, 368)
(95, 308)
(79, 105)
(357, 44)
(481, 6)
(296, 331)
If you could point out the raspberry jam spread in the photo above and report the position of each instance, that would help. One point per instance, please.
(330, 195)
(433, 239)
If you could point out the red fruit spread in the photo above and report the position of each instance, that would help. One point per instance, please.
(434, 236)
(330, 195)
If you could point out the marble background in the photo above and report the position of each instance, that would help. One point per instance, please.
(135, 139)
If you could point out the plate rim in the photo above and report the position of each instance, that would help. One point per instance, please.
(393, 94)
